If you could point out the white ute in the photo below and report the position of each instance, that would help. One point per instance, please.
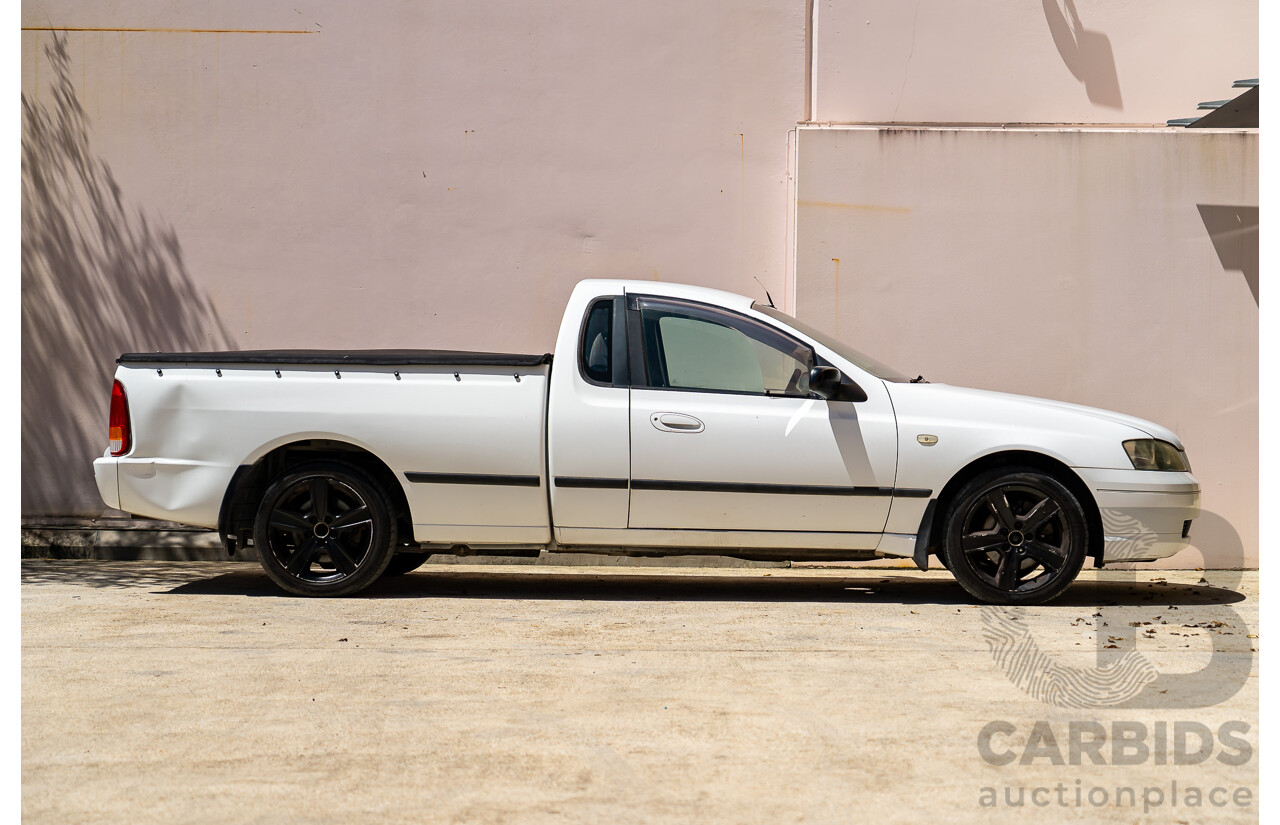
(676, 420)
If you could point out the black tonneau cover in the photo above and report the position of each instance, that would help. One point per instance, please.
(327, 357)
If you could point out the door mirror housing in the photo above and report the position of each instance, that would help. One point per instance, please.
(825, 381)
(833, 385)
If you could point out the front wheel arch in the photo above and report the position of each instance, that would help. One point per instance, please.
(935, 522)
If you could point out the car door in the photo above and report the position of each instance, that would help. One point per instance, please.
(589, 454)
(725, 434)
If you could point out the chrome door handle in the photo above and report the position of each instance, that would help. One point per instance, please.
(676, 423)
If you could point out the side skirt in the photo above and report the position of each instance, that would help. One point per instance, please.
(776, 545)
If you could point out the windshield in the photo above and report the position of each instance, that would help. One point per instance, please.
(845, 351)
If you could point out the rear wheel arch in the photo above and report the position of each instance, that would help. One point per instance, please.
(935, 521)
(250, 482)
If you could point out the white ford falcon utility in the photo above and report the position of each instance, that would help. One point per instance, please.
(676, 420)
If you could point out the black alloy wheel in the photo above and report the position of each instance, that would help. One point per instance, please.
(1015, 536)
(324, 529)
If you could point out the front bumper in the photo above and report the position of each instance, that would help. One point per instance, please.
(1145, 513)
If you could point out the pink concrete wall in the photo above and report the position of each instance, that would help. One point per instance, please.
(1022, 61)
(379, 174)
(1112, 268)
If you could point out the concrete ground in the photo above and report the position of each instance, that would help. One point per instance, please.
(195, 692)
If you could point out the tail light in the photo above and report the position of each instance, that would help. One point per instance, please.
(119, 430)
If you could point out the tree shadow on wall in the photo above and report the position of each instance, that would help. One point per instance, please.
(98, 278)
(1087, 54)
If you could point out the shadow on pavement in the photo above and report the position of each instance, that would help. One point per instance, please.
(871, 587)
(875, 588)
(102, 574)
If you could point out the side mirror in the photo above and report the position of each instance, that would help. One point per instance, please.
(825, 381)
(831, 384)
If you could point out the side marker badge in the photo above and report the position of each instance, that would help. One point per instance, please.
(927, 440)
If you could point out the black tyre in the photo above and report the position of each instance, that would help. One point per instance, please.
(402, 563)
(1015, 536)
(324, 529)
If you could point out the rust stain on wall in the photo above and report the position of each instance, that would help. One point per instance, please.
(837, 290)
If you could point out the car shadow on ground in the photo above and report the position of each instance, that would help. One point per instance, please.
(576, 584)
(871, 588)
(1111, 587)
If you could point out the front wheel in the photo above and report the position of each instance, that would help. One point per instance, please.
(324, 529)
(1015, 536)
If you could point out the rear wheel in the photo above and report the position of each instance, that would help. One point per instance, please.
(1015, 536)
(324, 529)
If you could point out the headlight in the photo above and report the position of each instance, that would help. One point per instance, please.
(1150, 454)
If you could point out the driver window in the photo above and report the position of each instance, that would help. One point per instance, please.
(705, 350)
